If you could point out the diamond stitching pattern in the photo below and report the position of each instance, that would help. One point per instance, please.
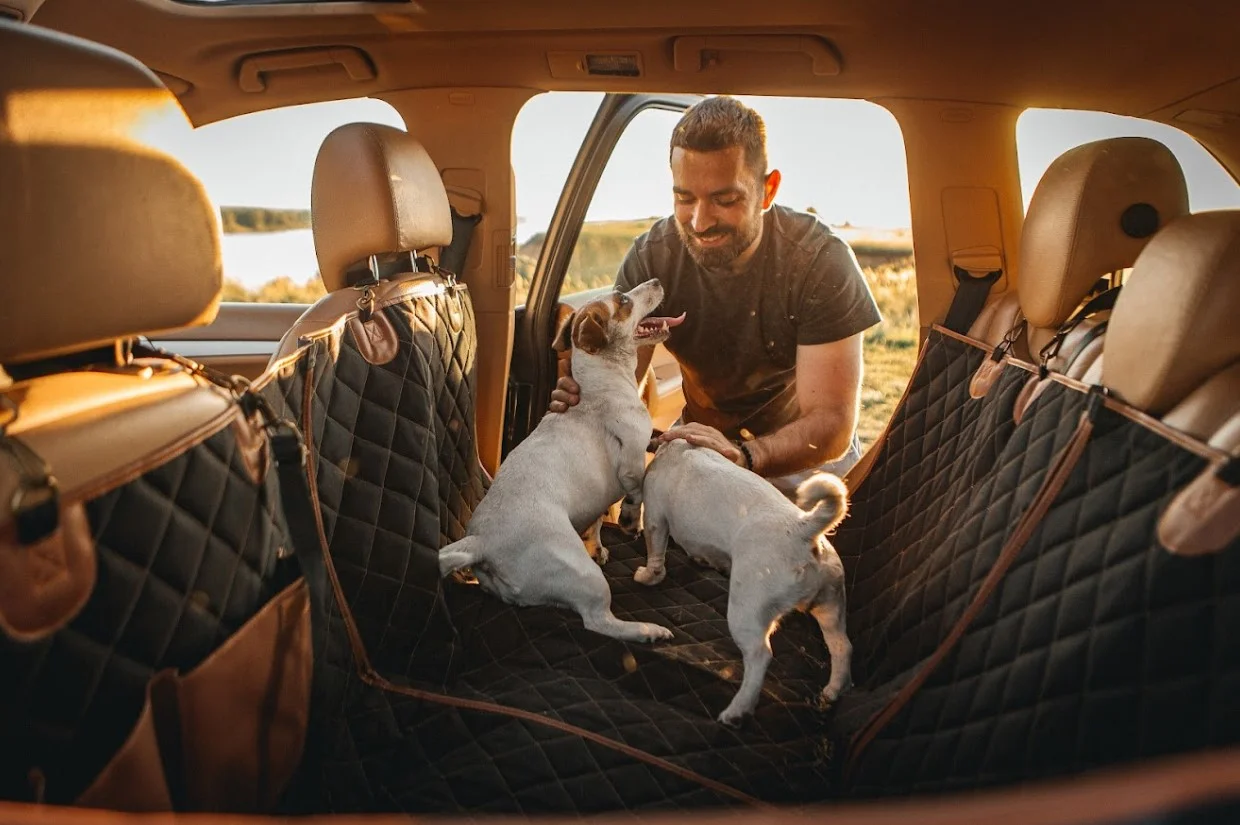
(1098, 648)
(187, 553)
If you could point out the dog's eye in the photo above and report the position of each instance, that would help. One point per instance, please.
(624, 299)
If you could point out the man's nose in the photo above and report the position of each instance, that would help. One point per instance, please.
(702, 217)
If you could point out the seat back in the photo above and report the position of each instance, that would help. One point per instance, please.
(147, 585)
(383, 370)
(1066, 612)
(1093, 211)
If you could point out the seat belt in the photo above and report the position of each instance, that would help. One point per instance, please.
(975, 272)
(452, 257)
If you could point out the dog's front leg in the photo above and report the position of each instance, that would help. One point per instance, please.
(630, 463)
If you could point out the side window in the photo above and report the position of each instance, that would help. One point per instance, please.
(257, 169)
(1044, 134)
(841, 159)
(546, 136)
(634, 191)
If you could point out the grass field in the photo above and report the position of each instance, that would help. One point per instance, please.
(885, 257)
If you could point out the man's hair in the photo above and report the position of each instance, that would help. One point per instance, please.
(719, 123)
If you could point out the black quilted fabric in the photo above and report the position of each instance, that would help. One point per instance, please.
(1098, 648)
(941, 445)
(497, 709)
(395, 753)
(394, 440)
(187, 553)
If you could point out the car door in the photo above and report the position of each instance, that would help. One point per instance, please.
(551, 298)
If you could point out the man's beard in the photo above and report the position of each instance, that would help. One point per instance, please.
(717, 257)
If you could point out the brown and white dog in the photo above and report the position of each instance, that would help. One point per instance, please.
(524, 540)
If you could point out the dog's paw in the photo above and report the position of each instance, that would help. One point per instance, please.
(833, 692)
(655, 633)
(648, 576)
(732, 718)
(601, 555)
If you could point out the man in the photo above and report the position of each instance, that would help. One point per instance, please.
(775, 303)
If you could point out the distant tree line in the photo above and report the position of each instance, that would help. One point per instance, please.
(238, 219)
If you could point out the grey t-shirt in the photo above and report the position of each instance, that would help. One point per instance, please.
(737, 346)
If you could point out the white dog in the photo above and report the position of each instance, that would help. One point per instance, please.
(777, 555)
(524, 540)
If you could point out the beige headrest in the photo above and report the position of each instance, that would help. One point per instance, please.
(1175, 323)
(105, 236)
(1092, 213)
(375, 191)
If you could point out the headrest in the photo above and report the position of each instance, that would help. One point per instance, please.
(1092, 213)
(375, 191)
(105, 236)
(1174, 325)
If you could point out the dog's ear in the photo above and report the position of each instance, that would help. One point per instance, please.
(564, 338)
(588, 333)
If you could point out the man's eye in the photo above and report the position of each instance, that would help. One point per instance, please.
(730, 202)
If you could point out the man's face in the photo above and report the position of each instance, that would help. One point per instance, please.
(719, 203)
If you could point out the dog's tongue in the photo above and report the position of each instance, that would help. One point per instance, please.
(664, 321)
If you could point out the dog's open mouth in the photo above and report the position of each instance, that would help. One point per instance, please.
(654, 327)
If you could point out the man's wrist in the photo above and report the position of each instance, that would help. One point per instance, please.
(747, 455)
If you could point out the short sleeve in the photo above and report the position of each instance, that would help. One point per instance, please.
(836, 302)
(633, 269)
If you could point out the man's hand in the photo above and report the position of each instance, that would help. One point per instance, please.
(566, 394)
(701, 435)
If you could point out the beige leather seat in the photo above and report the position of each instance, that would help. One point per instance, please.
(138, 528)
(1173, 351)
(1093, 211)
(377, 200)
(1173, 347)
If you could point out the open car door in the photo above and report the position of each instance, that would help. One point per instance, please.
(534, 364)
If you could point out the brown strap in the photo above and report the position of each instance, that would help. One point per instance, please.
(1061, 468)
(372, 677)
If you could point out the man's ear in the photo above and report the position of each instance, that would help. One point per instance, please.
(588, 334)
(769, 187)
(564, 338)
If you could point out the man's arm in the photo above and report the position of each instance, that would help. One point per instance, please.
(828, 387)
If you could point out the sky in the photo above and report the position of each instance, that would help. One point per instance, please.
(845, 158)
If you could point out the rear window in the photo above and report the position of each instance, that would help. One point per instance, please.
(1044, 134)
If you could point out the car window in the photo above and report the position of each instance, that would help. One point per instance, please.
(257, 169)
(841, 159)
(1044, 134)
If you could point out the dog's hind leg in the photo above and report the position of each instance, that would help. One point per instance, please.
(592, 601)
(830, 617)
(593, 540)
(657, 534)
(752, 636)
(459, 555)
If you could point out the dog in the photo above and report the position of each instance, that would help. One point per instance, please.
(524, 541)
(775, 554)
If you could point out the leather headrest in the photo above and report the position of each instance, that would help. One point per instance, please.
(375, 191)
(1092, 213)
(105, 235)
(1174, 325)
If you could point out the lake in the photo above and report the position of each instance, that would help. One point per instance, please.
(253, 259)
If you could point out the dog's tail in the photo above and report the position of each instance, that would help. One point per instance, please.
(824, 498)
(459, 554)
